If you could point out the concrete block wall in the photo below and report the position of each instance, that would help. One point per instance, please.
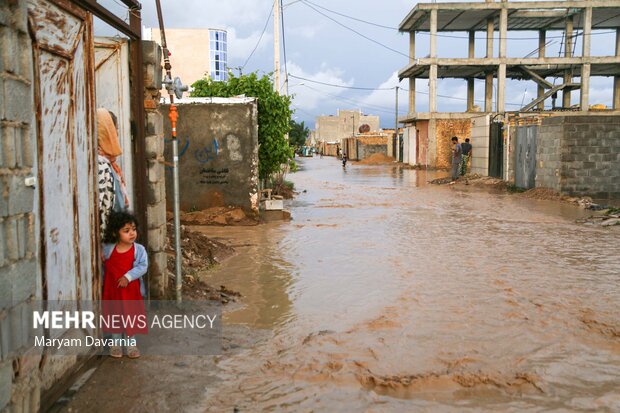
(548, 150)
(580, 155)
(590, 156)
(156, 185)
(19, 269)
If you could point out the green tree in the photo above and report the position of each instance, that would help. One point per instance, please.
(298, 134)
(274, 114)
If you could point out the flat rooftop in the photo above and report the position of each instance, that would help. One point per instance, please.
(531, 15)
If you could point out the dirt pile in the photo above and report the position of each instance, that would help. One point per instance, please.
(542, 193)
(217, 216)
(376, 159)
(475, 180)
(199, 252)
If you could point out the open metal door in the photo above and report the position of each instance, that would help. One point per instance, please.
(113, 93)
(67, 193)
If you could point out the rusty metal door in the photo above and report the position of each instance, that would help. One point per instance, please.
(112, 92)
(64, 96)
(525, 165)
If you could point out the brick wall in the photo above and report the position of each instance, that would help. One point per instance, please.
(580, 155)
(445, 130)
(156, 186)
(19, 271)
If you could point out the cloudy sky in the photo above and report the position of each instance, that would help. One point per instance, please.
(322, 45)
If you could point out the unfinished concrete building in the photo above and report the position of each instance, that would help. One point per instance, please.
(428, 133)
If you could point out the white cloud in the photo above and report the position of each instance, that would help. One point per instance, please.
(241, 47)
(308, 95)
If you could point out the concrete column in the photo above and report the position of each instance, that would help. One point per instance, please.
(470, 81)
(490, 34)
(432, 89)
(412, 95)
(542, 45)
(433, 35)
(585, 69)
(432, 78)
(585, 87)
(617, 78)
(488, 93)
(501, 88)
(501, 73)
(411, 79)
(568, 52)
(488, 86)
(503, 31)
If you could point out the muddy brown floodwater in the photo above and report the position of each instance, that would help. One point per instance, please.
(387, 295)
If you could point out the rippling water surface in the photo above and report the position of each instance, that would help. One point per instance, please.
(387, 295)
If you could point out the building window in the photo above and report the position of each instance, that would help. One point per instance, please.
(218, 54)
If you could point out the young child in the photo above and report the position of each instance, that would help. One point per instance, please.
(125, 262)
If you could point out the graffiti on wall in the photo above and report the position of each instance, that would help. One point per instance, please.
(205, 154)
(212, 176)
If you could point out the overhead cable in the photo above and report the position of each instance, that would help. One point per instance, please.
(260, 38)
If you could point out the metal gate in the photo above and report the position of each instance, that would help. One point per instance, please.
(496, 150)
(525, 166)
(64, 95)
(112, 91)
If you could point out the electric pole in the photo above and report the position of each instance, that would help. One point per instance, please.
(396, 143)
(276, 45)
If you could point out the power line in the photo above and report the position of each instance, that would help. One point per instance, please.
(339, 86)
(428, 33)
(355, 31)
(350, 17)
(352, 101)
(259, 39)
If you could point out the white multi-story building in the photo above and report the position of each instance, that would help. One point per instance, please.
(195, 53)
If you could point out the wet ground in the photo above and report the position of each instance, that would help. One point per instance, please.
(387, 295)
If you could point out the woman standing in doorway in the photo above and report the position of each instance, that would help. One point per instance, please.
(112, 189)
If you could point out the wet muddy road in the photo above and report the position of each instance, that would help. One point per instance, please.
(385, 295)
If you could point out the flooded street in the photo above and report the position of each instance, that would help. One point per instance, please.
(387, 295)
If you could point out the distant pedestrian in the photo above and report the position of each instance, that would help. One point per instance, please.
(466, 147)
(457, 155)
(344, 160)
(125, 263)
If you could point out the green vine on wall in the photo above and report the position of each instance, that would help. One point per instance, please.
(274, 116)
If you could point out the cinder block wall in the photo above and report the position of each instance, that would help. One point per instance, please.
(156, 186)
(548, 151)
(19, 271)
(580, 155)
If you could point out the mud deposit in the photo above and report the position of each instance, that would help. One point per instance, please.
(385, 294)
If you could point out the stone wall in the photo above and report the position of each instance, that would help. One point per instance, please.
(19, 270)
(218, 154)
(156, 185)
(580, 155)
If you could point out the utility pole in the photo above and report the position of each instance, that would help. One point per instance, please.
(397, 146)
(276, 45)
